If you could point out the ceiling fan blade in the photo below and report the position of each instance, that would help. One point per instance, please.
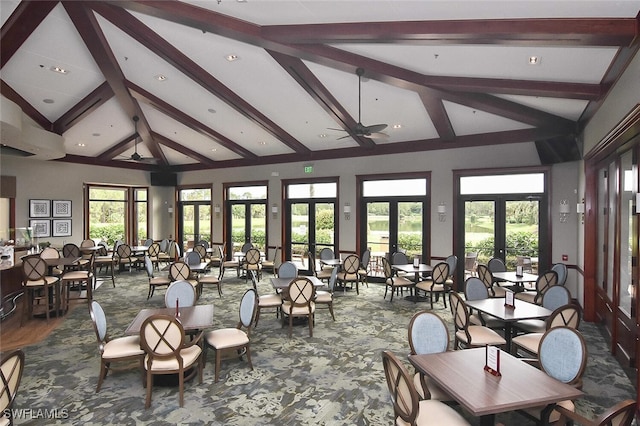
(343, 137)
(339, 130)
(377, 135)
(148, 160)
(374, 128)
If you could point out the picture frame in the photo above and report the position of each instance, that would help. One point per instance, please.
(61, 208)
(41, 227)
(62, 227)
(39, 208)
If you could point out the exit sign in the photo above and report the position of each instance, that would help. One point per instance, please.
(308, 169)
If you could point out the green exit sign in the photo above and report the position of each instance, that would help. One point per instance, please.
(308, 169)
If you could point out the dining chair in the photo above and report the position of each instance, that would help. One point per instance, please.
(202, 252)
(269, 263)
(483, 272)
(234, 339)
(121, 349)
(428, 334)
(543, 283)
(180, 271)
(227, 264)
(82, 278)
(154, 282)
(452, 261)
(299, 302)
(474, 289)
(561, 270)
(73, 251)
(104, 259)
(87, 243)
(265, 301)
(245, 247)
(621, 414)
(327, 254)
(400, 258)
(153, 253)
(124, 256)
(436, 285)
(394, 282)
(203, 243)
(210, 281)
(52, 253)
(288, 269)
(568, 315)
(252, 262)
(552, 299)
(349, 272)
(466, 334)
(39, 289)
(11, 368)
(165, 251)
(407, 408)
(364, 268)
(162, 338)
(525, 263)
(181, 293)
(470, 263)
(562, 354)
(323, 273)
(325, 297)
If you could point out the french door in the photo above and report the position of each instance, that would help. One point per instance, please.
(247, 224)
(310, 227)
(393, 225)
(195, 222)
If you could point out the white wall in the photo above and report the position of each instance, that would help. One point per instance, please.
(58, 180)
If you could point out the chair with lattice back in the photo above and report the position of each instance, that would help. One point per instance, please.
(349, 273)
(40, 289)
(11, 368)
(436, 285)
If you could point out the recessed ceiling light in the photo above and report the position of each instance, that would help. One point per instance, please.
(211, 110)
(322, 135)
(534, 60)
(59, 70)
(397, 126)
(263, 143)
(48, 101)
(160, 77)
(214, 149)
(81, 144)
(95, 134)
(232, 57)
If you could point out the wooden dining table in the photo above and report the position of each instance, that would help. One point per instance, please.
(461, 374)
(518, 280)
(196, 317)
(496, 308)
(282, 283)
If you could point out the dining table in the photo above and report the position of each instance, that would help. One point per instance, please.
(331, 262)
(496, 308)
(283, 283)
(418, 270)
(519, 386)
(519, 281)
(196, 317)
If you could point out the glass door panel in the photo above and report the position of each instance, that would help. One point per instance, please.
(202, 230)
(479, 229)
(602, 227)
(611, 233)
(626, 234)
(238, 229)
(324, 226)
(377, 217)
(299, 229)
(521, 232)
(409, 227)
(258, 226)
(188, 225)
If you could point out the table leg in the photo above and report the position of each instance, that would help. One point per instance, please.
(507, 335)
(487, 420)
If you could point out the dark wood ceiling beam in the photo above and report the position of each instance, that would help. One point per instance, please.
(8, 92)
(152, 41)
(202, 159)
(520, 32)
(87, 26)
(310, 83)
(97, 161)
(411, 80)
(84, 108)
(439, 116)
(118, 148)
(143, 96)
(22, 22)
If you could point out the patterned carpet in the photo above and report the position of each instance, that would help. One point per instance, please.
(334, 378)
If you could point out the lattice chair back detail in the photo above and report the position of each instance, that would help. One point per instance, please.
(11, 368)
(179, 271)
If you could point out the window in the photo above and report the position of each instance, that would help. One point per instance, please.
(117, 213)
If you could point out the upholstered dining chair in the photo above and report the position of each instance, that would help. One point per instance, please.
(428, 334)
(394, 282)
(495, 264)
(121, 349)
(154, 282)
(73, 251)
(202, 251)
(270, 263)
(252, 262)
(452, 261)
(466, 334)
(407, 408)
(322, 273)
(561, 270)
(225, 264)
(104, 259)
(181, 292)
(562, 354)
(552, 299)
(124, 256)
(568, 315)
(325, 297)
(11, 368)
(38, 286)
(621, 414)
(236, 338)
(288, 269)
(83, 277)
(265, 301)
(474, 289)
(299, 302)
(364, 269)
(483, 272)
(163, 340)
(470, 263)
(349, 272)
(436, 285)
(180, 271)
(52, 253)
(543, 283)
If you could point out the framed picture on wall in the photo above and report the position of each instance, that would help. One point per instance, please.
(39, 208)
(61, 227)
(61, 208)
(41, 227)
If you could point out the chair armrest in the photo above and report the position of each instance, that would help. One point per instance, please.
(196, 340)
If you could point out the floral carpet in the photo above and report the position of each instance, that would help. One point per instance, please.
(332, 378)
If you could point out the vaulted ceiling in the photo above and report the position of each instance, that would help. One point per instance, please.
(229, 83)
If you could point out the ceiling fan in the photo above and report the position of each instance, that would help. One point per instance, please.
(373, 131)
(135, 156)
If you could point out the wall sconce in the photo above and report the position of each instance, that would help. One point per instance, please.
(580, 210)
(442, 212)
(564, 211)
(347, 211)
(216, 210)
(274, 211)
